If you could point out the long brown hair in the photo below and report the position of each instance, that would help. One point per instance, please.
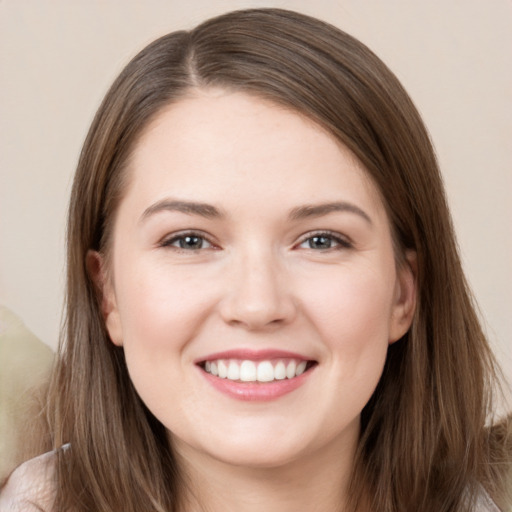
(423, 445)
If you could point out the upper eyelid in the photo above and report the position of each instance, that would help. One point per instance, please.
(328, 233)
(169, 238)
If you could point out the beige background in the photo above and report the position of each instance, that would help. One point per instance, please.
(57, 58)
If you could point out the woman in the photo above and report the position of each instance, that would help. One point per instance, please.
(265, 305)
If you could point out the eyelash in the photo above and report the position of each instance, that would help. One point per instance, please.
(168, 242)
(341, 242)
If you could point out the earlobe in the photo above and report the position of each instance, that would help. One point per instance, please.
(405, 297)
(95, 264)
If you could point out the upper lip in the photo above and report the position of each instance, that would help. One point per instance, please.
(253, 355)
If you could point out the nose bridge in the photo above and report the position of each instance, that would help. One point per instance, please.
(258, 294)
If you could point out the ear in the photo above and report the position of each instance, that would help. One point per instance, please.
(405, 297)
(96, 267)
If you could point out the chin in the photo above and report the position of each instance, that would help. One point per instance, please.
(256, 445)
(257, 456)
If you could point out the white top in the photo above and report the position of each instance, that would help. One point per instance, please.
(30, 488)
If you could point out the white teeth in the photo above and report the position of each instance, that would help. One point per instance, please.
(251, 371)
(300, 368)
(290, 369)
(265, 372)
(233, 371)
(223, 369)
(248, 371)
(280, 371)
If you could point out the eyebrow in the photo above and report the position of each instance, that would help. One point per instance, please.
(188, 207)
(211, 212)
(308, 211)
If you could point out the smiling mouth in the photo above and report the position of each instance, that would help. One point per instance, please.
(265, 371)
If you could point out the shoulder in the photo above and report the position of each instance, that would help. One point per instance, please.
(31, 486)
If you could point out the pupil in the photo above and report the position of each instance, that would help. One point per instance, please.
(320, 242)
(191, 242)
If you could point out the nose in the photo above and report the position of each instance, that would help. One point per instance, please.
(259, 294)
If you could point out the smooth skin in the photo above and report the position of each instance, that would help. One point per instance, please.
(218, 244)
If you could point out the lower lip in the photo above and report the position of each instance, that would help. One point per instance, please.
(256, 391)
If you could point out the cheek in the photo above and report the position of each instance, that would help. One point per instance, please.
(352, 315)
(353, 307)
(162, 310)
(354, 324)
(160, 314)
(160, 306)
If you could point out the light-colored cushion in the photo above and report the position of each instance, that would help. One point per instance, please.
(25, 363)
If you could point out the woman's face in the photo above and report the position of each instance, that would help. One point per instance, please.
(252, 281)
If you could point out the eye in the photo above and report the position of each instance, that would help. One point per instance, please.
(325, 241)
(188, 242)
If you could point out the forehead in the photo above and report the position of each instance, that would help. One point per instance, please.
(215, 141)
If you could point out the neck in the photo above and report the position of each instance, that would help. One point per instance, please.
(317, 480)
